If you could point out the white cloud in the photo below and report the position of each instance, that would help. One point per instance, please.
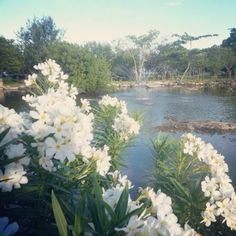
(174, 3)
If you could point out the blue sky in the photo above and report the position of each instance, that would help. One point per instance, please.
(106, 20)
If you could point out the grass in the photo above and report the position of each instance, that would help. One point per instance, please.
(9, 82)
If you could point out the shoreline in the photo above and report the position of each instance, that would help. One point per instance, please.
(224, 84)
(121, 85)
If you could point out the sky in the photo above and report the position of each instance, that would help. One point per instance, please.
(107, 20)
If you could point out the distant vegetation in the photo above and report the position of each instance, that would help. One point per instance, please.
(93, 65)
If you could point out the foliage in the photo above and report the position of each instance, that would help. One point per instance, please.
(10, 56)
(139, 49)
(181, 176)
(101, 218)
(35, 161)
(231, 40)
(87, 72)
(100, 50)
(34, 39)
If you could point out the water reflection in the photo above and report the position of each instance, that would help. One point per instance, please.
(13, 100)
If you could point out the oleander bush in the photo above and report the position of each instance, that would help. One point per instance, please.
(59, 171)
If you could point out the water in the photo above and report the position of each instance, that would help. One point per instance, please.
(156, 105)
(182, 104)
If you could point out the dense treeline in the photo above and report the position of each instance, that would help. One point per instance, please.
(93, 65)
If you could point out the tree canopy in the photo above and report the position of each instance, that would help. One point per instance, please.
(135, 57)
(34, 38)
(87, 71)
(231, 40)
(10, 56)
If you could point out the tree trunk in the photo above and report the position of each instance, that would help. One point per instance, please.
(229, 72)
(185, 72)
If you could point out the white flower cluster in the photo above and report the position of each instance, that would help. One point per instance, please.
(123, 124)
(62, 130)
(113, 102)
(13, 174)
(50, 69)
(160, 221)
(102, 160)
(218, 186)
(10, 119)
(59, 127)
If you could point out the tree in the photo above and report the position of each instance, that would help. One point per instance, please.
(101, 50)
(231, 40)
(169, 62)
(10, 56)
(214, 63)
(139, 49)
(122, 65)
(199, 62)
(87, 71)
(228, 58)
(35, 37)
(189, 39)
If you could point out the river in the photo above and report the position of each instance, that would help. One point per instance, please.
(156, 105)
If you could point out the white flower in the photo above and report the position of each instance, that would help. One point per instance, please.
(125, 126)
(85, 105)
(134, 226)
(113, 102)
(150, 226)
(12, 178)
(10, 119)
(189, 148)
(218, 187)
(120, 180)
(188, 231)
(46, 163)
(58, 150)
(209, 214)
(31, 80)
(7, 229)
(49, 68)
(63, 76)
(102, 160)
(111, 196)
(223, 206)
(17, 150)
(210, 187)
(108, 101)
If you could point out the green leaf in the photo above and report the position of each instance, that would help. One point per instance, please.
(59, 216)
(179, 187)
(78, 226)
(4, 133)
(8, 161)
(122, 204)
(137, 211)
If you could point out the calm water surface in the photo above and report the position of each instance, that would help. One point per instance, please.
(156, 105)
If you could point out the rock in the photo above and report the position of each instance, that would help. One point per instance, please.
(219, 127)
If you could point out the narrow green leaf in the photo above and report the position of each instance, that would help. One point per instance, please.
(3, 134)
(59, 216)
(78, 226)
(8, 161)
(179, 187)
(122, 204)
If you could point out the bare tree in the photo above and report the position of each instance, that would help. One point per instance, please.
(139, 49)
